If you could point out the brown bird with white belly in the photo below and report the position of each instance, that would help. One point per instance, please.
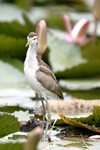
(40, 77)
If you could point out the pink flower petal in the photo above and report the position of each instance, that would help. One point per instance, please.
(80, 29)
(86, 41)
(68, 39)
(67, 23)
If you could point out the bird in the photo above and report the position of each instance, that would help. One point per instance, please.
(40, 77)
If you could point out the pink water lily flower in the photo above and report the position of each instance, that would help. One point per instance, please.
(41, 30)
(79, 31)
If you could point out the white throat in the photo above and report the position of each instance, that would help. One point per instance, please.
(31, 56)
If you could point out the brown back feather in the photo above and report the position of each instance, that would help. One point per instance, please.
(47, 78)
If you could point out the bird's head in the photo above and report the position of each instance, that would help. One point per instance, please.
(32, 39)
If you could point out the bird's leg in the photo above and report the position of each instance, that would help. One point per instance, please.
(48, 120)
(44, 112)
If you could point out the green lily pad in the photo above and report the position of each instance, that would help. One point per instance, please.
(92, 51)
(92, 122)
(84, 94)
(63, 55)
(10, 76)
(12, 47)
(11, 146)
(8, 124)
(17, 136)
(80, 84)
(87, 70)
(13, 29)
(18, 64)
(13, 13)
(11, 109)
(24, 4)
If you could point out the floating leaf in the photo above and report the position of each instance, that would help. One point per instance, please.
(13, 29)
(17, 136)
(22, 115)
(24, 4)
(12, 146)
(13, 13)
(55, 22)
(12, 47)
(63, 55)
(84, 94)
(8, 124)
(75, 4)
(90, 69)
(10, 76)
(80, 84)
(79, 124)
(30, 26)
(92, 51)
(14, 62)
(11, 109)
(91, 122)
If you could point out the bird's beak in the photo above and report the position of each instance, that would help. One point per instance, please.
(27, 43)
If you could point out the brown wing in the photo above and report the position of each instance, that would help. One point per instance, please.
(46, 77)
(42, 63)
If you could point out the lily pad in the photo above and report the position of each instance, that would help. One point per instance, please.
(16, 136)
(92, 51)
(11, 146)
(21, 115)
(92, 122)
(13, 13)
(84, 94)
(12, 47)
(87, 70)
(11, 109)
(18, 64)
(10, 76)
(8, 124)
(80, 84)
(63, 55)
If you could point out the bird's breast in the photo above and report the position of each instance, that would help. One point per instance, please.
(30, 74)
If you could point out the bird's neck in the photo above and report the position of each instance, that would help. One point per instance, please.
(31, 57)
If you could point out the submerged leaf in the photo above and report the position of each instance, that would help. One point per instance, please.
(8, 124)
